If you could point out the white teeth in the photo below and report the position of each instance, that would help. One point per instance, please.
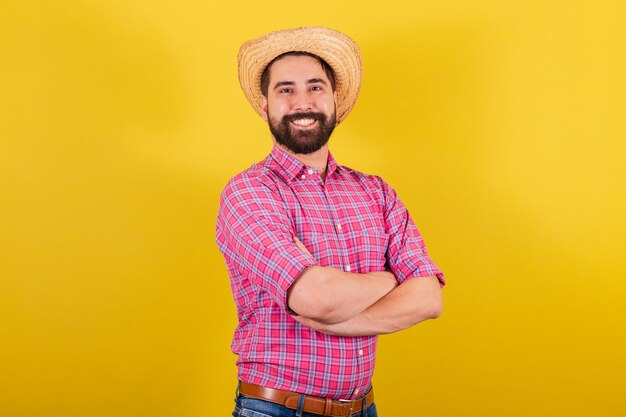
(303, 122)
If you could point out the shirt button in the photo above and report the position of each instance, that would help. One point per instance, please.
(303, 177)
(360, 352)
(338, 226)
(310, 171)
(348, 268)
(356, 391)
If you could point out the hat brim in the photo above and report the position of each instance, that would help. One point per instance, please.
(338, 50)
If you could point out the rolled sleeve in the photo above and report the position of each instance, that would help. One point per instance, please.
(256, 237)
(406, 253)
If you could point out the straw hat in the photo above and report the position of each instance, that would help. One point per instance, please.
(338, 50)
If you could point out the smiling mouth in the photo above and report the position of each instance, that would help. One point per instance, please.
(303, 122)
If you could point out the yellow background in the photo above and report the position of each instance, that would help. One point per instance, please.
(500, 124)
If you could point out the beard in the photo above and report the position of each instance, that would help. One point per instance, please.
(303, 141)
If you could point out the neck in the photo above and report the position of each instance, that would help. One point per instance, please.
(317, 159)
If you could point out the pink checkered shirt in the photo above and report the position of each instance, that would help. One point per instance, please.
(352, 221)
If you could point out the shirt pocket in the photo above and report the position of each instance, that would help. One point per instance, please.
(367, 250)
(357, 251)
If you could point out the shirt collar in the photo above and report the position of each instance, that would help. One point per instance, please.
(332, 165)
(285, 164)
(289, 167)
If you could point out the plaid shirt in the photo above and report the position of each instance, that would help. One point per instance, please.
(350, 221)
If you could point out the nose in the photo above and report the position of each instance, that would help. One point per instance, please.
(302, 102)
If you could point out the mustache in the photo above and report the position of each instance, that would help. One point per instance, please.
(321, 117)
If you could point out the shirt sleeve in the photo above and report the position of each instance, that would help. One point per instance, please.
(406, 253)
(254, 233)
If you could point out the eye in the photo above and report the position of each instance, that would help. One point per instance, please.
(285, 90)
(316, 88)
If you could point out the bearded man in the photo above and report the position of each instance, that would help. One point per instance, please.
(322, 258)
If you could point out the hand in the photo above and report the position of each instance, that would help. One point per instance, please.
(301, 246)
(305, 321)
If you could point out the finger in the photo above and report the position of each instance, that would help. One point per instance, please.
(300, 245)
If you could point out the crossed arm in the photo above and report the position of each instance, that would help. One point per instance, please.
(344, 304)
(253, 224)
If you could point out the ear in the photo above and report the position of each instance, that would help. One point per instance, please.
(264, 107)
(335, 98)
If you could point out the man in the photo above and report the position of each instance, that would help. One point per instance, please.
(322, 258)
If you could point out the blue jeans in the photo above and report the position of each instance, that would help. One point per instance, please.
(251, 407)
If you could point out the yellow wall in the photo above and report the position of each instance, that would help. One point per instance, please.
(501, 124)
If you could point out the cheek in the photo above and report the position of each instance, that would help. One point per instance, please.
(277, 109)
(330, 105)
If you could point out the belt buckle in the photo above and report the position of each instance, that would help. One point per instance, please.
(351, 404)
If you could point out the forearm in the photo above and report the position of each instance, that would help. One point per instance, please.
(412, 302)
(329, 295)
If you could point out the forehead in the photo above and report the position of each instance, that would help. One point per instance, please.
(296, 68)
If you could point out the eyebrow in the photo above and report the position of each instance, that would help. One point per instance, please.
(316, 80)
(281, 83)
(311, 81)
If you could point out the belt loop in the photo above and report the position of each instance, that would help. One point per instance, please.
(364, 407)
(300, 405)
(328, 407)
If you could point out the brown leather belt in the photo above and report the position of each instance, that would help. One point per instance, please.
(316, 405)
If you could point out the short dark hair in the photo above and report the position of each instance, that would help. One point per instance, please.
(265, 77)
